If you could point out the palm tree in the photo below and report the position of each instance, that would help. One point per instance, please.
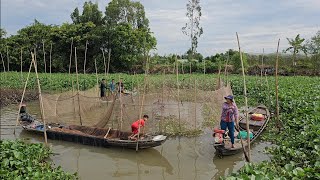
(296, 46)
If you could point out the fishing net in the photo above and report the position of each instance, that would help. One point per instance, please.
(83, 107)
(171, 107)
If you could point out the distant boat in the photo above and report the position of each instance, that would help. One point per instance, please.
(258, 120)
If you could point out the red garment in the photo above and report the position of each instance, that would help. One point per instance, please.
(135, 125)
(228, 117)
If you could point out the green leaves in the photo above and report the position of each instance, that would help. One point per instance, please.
(19, 160)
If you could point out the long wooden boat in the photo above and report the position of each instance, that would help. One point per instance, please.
(101, 137)
(256, 127)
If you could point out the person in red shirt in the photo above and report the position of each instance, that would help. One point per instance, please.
(135, 127)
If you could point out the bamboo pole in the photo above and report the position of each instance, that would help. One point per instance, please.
(178, 98)
(4, 66)
(85, 58)
(40, 99)
(105, 64)
(277, 87)
(225, 69)
(190, 66)
(246, 101)
(204, 66)
(22, 97)
(120, 101)
(78, 87)
(44, 57)
(162, 98)
(195, 104)
(8, 59)
(262, 67)
(21, 64)
(142, 103)
(70, 62)
(50, 63)
(95, 65)
(109, 55)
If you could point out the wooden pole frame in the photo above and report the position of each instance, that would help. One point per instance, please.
(105, 64)
(78, 87)
(70, 61)
(44, 57)
(21, 64)
(277, 88)
(246, 101)
(50, 59)
(95, 65)
(195, 104)
(22, 97)
(109, 55)
(262, 67)
(178, 91)
(40, 99)
(85, 58)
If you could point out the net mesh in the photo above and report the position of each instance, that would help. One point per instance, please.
(189, 107)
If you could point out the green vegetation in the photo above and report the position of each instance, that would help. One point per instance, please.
(20, 160)
(297, 151)
(62, 82)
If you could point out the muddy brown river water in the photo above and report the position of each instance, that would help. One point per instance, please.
(177, 158)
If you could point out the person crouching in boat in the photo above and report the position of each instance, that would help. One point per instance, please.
(135, 127)
(24, 115)
(229, 116)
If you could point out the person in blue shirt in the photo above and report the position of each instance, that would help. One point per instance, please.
(112, 86)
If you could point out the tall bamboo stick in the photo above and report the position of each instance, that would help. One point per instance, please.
(142, 102)
(78, 87)
(109, 54)
(70, 62)
(85, 58)
(8, 59)
(105, 64)
(50, 63)
(120, 101)
(225, 70)
(246, 101)
(178, 98)
(95, 65)
(190, 66)
(40, 99)
(22, 97)
(21, 63)
(262, 67)
(204, 66)
(4, 66)
(44, 57)
(162, 100)
(195, 104)
(277, 87)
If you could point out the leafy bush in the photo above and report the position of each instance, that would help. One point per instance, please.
(26, 161)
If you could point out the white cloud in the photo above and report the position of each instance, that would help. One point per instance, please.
(259, 23)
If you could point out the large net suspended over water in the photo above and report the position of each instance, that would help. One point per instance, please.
(169, 109)
(71, 107)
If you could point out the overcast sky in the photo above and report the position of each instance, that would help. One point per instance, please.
(259, 23)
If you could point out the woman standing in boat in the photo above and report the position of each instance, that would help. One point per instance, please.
(229, 116)
(135, 127)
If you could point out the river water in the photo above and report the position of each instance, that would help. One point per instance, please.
(177, 158)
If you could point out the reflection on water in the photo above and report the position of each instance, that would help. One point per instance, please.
(177, 158)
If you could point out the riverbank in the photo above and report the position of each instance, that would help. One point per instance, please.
(13, 96)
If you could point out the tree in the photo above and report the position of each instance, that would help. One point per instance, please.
(192, 27)
(296, 46)
(90, 13)
(314, 44)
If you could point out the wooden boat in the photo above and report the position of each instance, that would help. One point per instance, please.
(256, 127)
(101, 137)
